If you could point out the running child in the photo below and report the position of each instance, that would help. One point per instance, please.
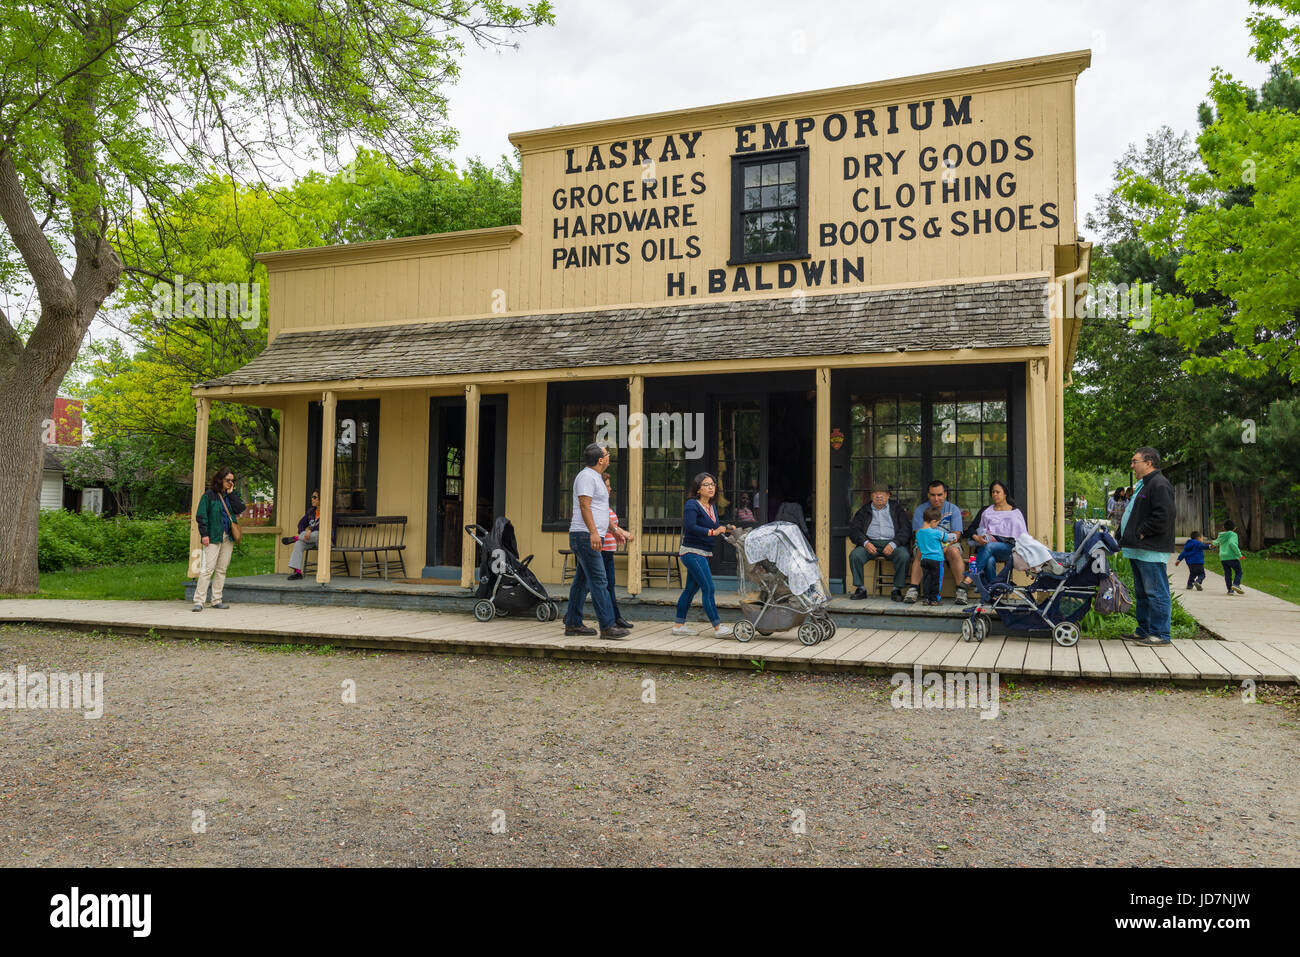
(1230, 557)
(1194, 554)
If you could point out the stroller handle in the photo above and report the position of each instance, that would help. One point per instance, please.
(477, 532)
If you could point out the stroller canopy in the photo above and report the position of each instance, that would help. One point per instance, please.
(783, 544)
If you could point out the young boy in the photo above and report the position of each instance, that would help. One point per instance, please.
(1194, 554)
(930, 539)
(1230, 557)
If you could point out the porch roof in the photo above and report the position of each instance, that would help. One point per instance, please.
(997, 314)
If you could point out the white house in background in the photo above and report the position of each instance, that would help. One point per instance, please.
(55, 491)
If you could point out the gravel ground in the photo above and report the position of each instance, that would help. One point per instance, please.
(575, 768)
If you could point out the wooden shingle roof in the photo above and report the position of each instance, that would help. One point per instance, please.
(998, 314)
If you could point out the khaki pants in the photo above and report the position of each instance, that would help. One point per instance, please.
(212, 568)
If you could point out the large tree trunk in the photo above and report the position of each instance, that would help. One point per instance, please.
(1234, 508)
(1256, 539)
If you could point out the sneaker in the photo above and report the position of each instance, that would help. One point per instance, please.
(198, 606)
(623, 623)
(570, 630)
(613, 634)
(1239, 591)
(858, 594)
(1153, 641)
(684, 630)
(896, 595)
(1198, 587)
(722, 631)
(220, 604)
(962, 597)
(1190, 587)
(296, 576)
(288, 539)
(911, 596)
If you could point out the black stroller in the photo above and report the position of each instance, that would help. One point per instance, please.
(1060, 594)
(506, 586)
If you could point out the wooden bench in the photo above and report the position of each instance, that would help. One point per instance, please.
(362, 535)
(658, 543)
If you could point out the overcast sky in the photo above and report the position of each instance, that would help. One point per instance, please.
(1151, 61)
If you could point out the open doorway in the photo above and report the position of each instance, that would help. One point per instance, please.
(445, 537)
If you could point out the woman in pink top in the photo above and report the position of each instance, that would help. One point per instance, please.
(997, 527)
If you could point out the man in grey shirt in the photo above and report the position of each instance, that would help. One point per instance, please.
(587, 527)
(880, 529)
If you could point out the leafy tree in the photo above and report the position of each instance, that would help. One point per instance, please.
(114, 108)
(141, 399)
(1237, 241)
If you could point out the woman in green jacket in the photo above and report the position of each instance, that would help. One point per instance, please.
(218, 509)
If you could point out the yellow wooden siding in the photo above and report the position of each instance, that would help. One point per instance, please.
(325, 290)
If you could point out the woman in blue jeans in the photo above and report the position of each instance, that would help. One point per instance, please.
(700, 527)
(996, 529)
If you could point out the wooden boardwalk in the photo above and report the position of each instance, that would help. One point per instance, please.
(860, 649)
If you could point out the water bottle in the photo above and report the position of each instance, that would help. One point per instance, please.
(970, 568)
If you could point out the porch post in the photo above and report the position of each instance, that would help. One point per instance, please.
(1042, 483)
(822, 497)
(1058, 438)
(635, 506)
(201, 410)
(328, 449)
(469, 487)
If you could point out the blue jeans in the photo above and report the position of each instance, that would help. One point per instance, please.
(987, 557)
(698, 579)
(609, 577)
(590, 574)
(1151, 604)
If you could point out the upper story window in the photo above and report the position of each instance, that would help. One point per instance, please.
(769, 206)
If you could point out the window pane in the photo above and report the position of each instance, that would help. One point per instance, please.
(968, 412)
(909, 411)
(968, 439)
(770, 174)
(752, 175)
(753, 198)
(995, 411)
(886, 411)
(787, 172)
(770, 196)
(786, 194)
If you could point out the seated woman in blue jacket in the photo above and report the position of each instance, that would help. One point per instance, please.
(699, 528)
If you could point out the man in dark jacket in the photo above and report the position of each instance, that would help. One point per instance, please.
(880, 528)
(1146, 535)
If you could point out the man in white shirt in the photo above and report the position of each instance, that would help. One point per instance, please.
(587, 529)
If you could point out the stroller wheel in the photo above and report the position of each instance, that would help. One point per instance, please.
(828, 629)
(967, 630)
(743, 630)
(810, 632)
(544, 611)
(484, 610)
(1066, 634)
(981, 629)
(555, 610)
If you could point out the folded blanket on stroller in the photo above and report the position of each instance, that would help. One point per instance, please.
(783, 544)
(1032, 555)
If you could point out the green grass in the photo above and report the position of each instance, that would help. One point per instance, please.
(1279, 577)
(165, 581)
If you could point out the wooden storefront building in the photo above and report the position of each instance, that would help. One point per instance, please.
(803, 294)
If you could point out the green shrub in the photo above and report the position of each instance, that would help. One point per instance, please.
(1288, 549)
(72, 540)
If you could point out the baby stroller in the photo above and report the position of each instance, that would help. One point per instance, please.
(1067, 584)
(506, 586)
(779, 584)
